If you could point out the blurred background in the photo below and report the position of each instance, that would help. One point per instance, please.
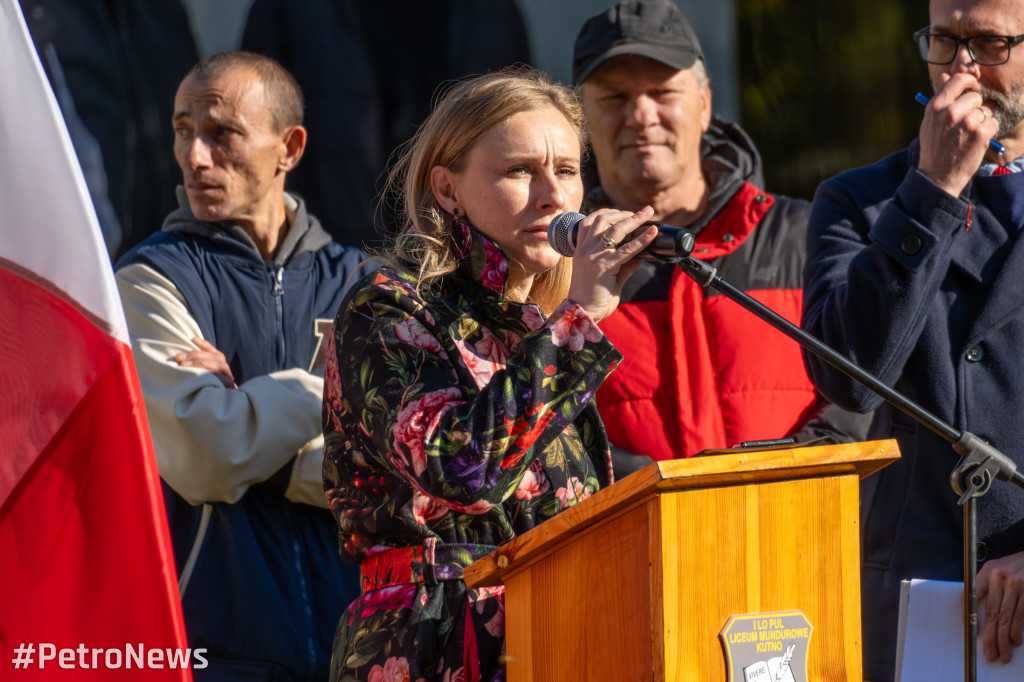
(826, 86)
(819, 86)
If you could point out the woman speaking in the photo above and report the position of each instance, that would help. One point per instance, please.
(458, 400)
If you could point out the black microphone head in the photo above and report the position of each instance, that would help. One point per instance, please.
(562, 232)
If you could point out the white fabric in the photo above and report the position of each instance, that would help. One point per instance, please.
(38, 158)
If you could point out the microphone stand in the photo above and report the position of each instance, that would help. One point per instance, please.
(979, 464)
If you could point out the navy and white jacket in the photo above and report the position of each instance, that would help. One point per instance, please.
(256, 549)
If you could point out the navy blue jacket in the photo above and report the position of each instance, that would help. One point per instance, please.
(923, 290)
(268, 585)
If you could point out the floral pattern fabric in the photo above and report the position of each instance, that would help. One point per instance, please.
(454, 420)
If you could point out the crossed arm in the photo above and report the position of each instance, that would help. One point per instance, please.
(214, 438)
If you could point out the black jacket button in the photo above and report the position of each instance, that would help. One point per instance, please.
(911, 244)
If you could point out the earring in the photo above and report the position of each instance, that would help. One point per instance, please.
(456, 211)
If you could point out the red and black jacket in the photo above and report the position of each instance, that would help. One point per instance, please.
(700, 371)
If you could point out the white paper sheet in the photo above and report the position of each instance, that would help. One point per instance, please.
(931, 647)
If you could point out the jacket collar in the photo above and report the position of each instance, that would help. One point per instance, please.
(304, 234)
(481, 259)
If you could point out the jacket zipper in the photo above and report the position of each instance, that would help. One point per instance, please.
(278, 292)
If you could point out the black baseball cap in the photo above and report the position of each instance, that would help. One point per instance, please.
(655, 29)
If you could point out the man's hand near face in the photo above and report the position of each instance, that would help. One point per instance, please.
(955, 132)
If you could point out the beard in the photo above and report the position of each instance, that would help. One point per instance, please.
(1007, 107)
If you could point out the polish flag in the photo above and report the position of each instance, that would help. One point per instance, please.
(85, 555)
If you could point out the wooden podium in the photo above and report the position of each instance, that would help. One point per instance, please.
(637, 582)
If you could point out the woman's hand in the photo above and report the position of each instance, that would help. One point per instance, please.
(602, 264)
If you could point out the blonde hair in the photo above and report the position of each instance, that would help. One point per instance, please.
(426, 247)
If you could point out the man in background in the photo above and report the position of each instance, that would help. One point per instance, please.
(699, 371)
(228, 306)
(914, 271)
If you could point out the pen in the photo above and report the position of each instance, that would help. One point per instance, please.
(784, 664)
(992, 144)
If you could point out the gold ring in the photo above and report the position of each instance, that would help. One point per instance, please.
(609, 243)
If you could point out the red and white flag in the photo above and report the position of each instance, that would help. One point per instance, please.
(86, 570)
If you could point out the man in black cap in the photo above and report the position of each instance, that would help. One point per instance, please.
(721, 376)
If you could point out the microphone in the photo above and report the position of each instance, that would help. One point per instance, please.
(672, 244)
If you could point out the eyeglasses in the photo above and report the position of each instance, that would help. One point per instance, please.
(939, 48)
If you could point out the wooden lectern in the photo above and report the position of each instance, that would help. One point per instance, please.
(637, 582)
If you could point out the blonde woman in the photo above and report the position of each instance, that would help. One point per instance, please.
(458, 402)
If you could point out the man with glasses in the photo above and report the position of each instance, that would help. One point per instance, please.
(915, 269)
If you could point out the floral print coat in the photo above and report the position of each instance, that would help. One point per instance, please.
(454, 419)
